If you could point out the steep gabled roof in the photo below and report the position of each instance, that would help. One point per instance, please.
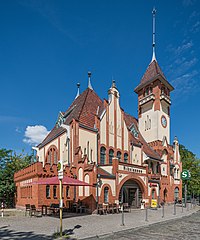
(82, 109)
(130, 120)
(55, 132)
(153, 71)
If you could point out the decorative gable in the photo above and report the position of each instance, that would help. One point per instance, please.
(60, 120)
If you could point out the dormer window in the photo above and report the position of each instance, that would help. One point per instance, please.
(146, 92)
(134, 131)
(60, 120)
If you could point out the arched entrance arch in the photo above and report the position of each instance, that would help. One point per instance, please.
(131, 192)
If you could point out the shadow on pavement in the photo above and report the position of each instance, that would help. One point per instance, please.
(6, 233)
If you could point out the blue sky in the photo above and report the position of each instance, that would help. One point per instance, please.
(46, 47)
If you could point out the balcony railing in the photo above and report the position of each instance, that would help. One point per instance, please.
(164, 97)
(154, 176)
(147, 99)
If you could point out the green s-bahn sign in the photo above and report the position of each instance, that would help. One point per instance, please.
(185, 175)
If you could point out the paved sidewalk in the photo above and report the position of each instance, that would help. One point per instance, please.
(83, 227)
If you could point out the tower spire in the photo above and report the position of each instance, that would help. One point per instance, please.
(78, 93)
(154, 33)
(89, 82)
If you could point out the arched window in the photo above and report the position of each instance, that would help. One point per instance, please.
(125, 157)
(162, 90)
(54, 191)
(119, 155)
(67, 191)
(52, 155)
(150, 90)
(87, 189)
(164, 156)
(102, 155)
(147, 92)
(157, 168)
(111, 155)
(47, 191)
(151, 166)
(106, 199)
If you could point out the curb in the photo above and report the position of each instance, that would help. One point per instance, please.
(135, 228)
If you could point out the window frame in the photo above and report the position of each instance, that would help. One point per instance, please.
(102, 155)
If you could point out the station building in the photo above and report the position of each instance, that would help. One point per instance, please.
(123, 158)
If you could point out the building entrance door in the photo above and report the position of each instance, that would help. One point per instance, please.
(131, 193)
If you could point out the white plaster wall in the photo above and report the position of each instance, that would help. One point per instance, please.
(136, 155)
(72, 144)
(63, 148)
(86, 136)
(144, 179)
(110, 182)
(87, 188)
(153, 118)
(126, 141)
(164, 169)
(80, 177)
(111, 123)
(107, 168)
(122, 176)
(150, 190)
(103, 130)
(40, 153)
(119, 125)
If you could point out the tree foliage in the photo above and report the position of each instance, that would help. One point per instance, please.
(192, 163)
(10, 162)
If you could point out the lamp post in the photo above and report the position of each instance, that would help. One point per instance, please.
(60, 177)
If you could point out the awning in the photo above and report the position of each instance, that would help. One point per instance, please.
(65, 181)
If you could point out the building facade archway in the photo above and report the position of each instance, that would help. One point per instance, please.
(131, 191)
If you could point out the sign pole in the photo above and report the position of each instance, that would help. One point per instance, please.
(60, 180)
(60, 177)
(185, 194)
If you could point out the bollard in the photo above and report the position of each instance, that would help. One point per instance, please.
(122, 217)
(146, 214)
(2, 209)
(174, 209)
(163, 212)
(182, 206)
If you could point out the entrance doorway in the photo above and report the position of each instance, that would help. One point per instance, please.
(165, 194)
(131, 193)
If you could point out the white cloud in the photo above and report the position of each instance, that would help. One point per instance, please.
(35, 134)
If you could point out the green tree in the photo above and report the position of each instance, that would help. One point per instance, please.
(192, 163)
(10, 162)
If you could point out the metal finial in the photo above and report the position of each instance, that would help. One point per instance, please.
(154, 34)
(78, 93)
(89, 81)
(113, 83)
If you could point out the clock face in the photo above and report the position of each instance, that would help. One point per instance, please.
(164, 121)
